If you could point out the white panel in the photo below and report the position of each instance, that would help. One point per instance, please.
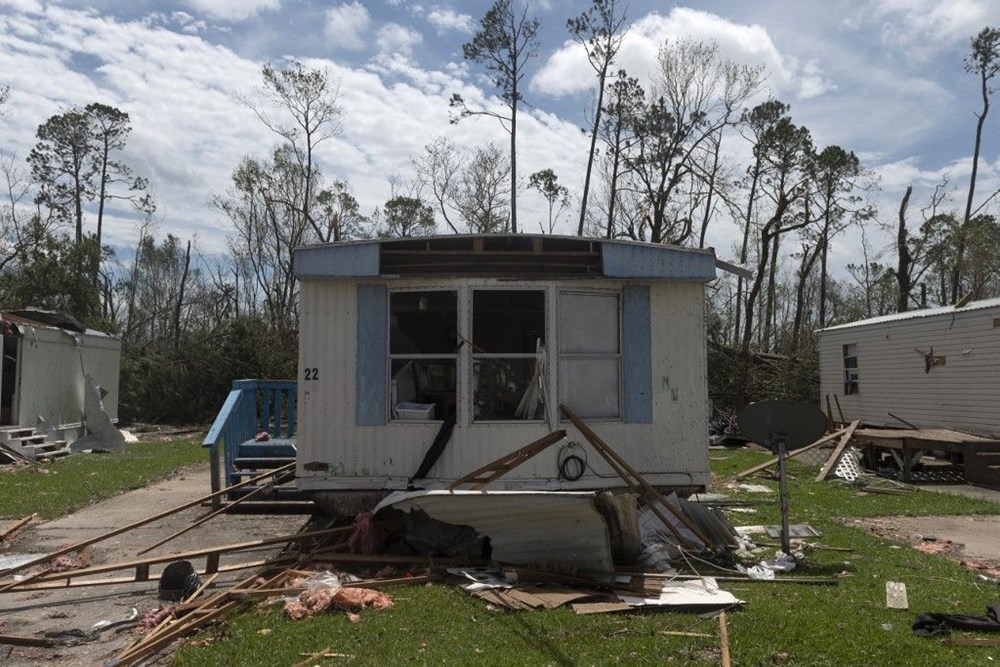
(595, 386)
(588, 323)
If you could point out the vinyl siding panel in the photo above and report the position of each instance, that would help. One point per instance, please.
(964, 393)
(671, 450)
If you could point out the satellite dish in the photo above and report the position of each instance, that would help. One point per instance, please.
(798, 424)
(779, 425)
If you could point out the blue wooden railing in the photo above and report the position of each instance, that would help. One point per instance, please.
(251, 407)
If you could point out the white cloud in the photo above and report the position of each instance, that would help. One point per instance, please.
(922, 27)
(567, 71)
(234, 10)
(446, 18)
(396, 38)
(346, 26)
(26, 6)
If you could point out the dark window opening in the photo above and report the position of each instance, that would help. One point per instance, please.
(423, 350)
(508, 355)
(850, 369)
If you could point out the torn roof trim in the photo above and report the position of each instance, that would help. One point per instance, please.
(509, 255)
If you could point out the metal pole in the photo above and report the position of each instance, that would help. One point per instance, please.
(779, 440)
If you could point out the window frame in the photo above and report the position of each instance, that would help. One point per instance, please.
(852, 383)
(455, 357)
(618, 294)
(472, 355)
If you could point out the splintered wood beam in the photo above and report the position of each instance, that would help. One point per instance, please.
(835, 454)
(631, 477)
(208, 552)
(124, 529)
(801, 450)
(724, 639)
(16, 526)
(258, 491)
(496, 469)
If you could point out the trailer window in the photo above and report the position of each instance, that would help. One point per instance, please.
(508, 354)
(850, 369)
(590, 353)
(423, 350)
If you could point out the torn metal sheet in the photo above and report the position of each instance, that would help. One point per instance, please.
(701, 593)
(710, 523)
(102, 434)
(524, 527)
(798, 530)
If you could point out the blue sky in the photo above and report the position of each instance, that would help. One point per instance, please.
(883, 78)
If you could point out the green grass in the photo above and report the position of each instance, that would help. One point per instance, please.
(788, 624)
(65, 485)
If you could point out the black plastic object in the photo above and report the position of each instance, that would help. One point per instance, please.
(178, 581)
(800, 424)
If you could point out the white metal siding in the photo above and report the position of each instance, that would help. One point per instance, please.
(964, 393)
(671, 450)
(53, 363)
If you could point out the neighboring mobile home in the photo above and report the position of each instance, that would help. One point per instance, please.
(400, 338)
(937, 367)
(47, 359)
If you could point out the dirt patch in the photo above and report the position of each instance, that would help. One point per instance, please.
(970, 540)
(35, 613)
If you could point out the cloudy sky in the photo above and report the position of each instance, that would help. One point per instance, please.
(883, 78)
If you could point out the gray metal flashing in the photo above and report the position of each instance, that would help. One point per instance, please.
(917, 314)
(654, 262)
(338, 260)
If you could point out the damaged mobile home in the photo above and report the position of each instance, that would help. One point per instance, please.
(423, 358)
(55, 373)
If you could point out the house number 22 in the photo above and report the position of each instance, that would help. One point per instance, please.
(312, 374)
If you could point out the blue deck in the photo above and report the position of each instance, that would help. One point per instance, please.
(252, 407)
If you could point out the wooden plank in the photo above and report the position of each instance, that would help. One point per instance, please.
(770, 462)
(17, 640)
(479, 477)
(971, 641)
(124, 529)
(724, 639)
(654, 498)
(222, 510)
(16, 526)
(241, 546)
(838, 450)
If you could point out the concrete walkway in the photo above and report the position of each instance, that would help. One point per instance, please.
(34, 613)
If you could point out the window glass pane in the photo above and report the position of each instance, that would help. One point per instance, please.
(422, 388)
(505, 389)
(423, 322)
(588, 323)
(590, 387)
(508, 321)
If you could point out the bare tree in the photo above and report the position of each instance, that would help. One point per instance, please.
(696, 93)
(599, 30)
(482, 193)
(503, 45)
(985, 62)
(440, 167)
(310, 98)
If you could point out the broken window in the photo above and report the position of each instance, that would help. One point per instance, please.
(590, 353)
(508, 354)
(850, 369)
(423, 350)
